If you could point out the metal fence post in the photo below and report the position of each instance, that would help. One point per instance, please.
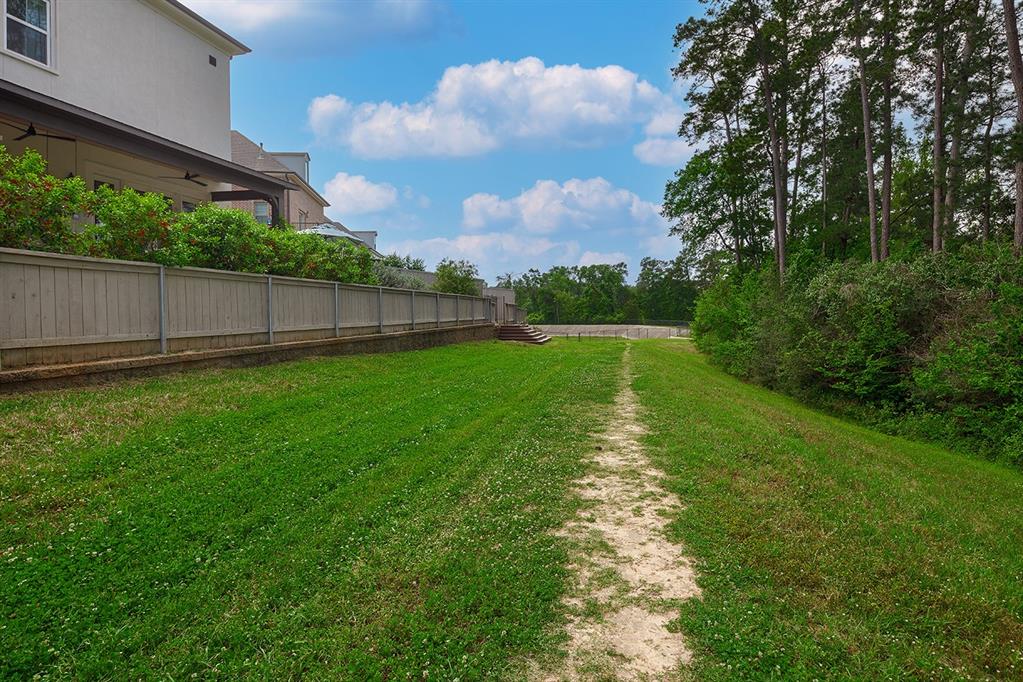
(163, 313)
(380, 310)
(337, 312)
(438, 310)
(270, 308)
(413, 310)
(458, 311)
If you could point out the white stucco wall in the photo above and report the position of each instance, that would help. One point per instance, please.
(125, 60)
(95, 163)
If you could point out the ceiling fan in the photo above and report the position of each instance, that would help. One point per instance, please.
(31, 131)
(190, 177)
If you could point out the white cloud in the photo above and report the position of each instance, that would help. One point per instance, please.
(303, 28)
(549, 206)
(663, 151)
(595, 257)
(662, 246)
(354, 195)
(664, 123)
(477, 108)
(247, 15)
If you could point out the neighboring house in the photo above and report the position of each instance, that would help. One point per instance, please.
(331, 229)
(127, 93)
(302, 206)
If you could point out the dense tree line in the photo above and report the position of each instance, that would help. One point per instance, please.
(852, 128)
(860, 186)
(664, 291)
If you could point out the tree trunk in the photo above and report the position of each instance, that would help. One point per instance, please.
(992, 92)
(1016, 69)
(886, 134)
(780, 190)
(795, 176)
(868, 152)
(886, 169)
(959, 110)
(939, 131)
(731, 200)
(824, 152)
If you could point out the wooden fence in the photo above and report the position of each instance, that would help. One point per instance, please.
(60, 309)
(513, 314)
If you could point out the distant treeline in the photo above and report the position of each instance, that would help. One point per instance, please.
(592, 294)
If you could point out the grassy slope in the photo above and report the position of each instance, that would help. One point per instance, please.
(356, 517)
(826, 549)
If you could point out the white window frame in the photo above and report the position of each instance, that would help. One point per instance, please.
(49, 63)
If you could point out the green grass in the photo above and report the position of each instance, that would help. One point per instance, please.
(827, 550)
(384, 516)
(391, 517)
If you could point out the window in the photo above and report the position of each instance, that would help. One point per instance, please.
(261, 210)
(27, 29)
(187, 206)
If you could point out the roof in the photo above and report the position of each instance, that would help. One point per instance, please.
(335, 230)
(232, 46)
(54, 114)
(251, 155)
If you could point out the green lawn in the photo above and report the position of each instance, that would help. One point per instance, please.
(364, 517)
(391, 517)
(827, 550)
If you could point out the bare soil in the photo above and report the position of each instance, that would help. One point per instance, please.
(629, 577)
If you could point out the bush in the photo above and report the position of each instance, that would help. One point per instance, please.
(133, 226)
(226, 239)
(931, 346)
(388, 276)
(457, 277)
(298, 254)
(38, 211)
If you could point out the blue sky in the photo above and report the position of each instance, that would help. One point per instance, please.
(515, 135)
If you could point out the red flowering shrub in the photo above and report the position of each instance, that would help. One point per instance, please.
(37, 210)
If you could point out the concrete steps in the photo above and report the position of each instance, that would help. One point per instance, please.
(522, 333)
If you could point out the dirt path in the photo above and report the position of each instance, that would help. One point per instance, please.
(629, 577)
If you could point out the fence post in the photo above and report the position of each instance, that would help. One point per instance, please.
(163, 313)
(380, 310)
(458, 311)
(438, 310)
(270, 308)
(337, 312)
(413, 310)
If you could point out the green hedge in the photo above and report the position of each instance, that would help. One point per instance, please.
(930, 347)
(44, 213)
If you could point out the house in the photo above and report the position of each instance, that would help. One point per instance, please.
(332, 229)
(302, 206)
(127, 93)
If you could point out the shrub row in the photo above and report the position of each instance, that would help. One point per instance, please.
(930, 347)
(44, 213)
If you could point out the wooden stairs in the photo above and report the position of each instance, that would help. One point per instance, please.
(522, 333)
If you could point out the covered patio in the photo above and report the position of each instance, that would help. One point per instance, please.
(75, 141)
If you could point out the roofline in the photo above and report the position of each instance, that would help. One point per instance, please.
(292, 176)
(240, 48)
(53, 114)
(305, 154)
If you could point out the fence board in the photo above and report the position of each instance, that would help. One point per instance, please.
(59, 308)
